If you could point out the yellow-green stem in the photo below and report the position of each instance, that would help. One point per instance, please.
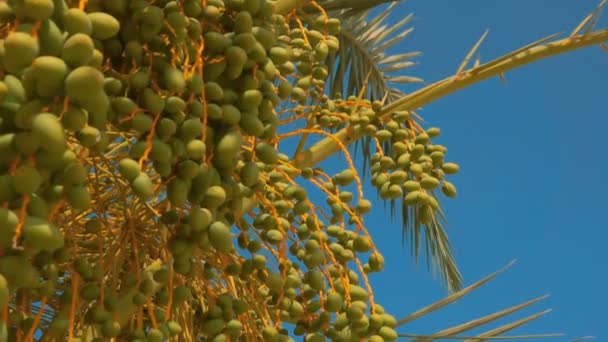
(327, 147)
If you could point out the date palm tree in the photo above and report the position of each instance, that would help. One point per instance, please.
(147, 192)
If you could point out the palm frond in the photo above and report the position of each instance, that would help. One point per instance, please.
(470, 325)
(454, 333)
(493, 334)
(451, 298)
(438, 248)
(363, 50)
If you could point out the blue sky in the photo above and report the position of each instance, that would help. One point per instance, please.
(531, 184)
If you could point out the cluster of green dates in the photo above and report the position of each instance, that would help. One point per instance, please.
(121, 117)
(414, 168)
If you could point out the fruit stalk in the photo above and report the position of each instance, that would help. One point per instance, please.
(327, 147)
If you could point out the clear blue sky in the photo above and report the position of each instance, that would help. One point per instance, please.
(532, 161)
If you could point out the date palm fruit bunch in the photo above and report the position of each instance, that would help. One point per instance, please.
(146, 193)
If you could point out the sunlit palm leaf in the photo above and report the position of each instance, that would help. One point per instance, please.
(473, 324)
(456, 331)
(451, 298)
